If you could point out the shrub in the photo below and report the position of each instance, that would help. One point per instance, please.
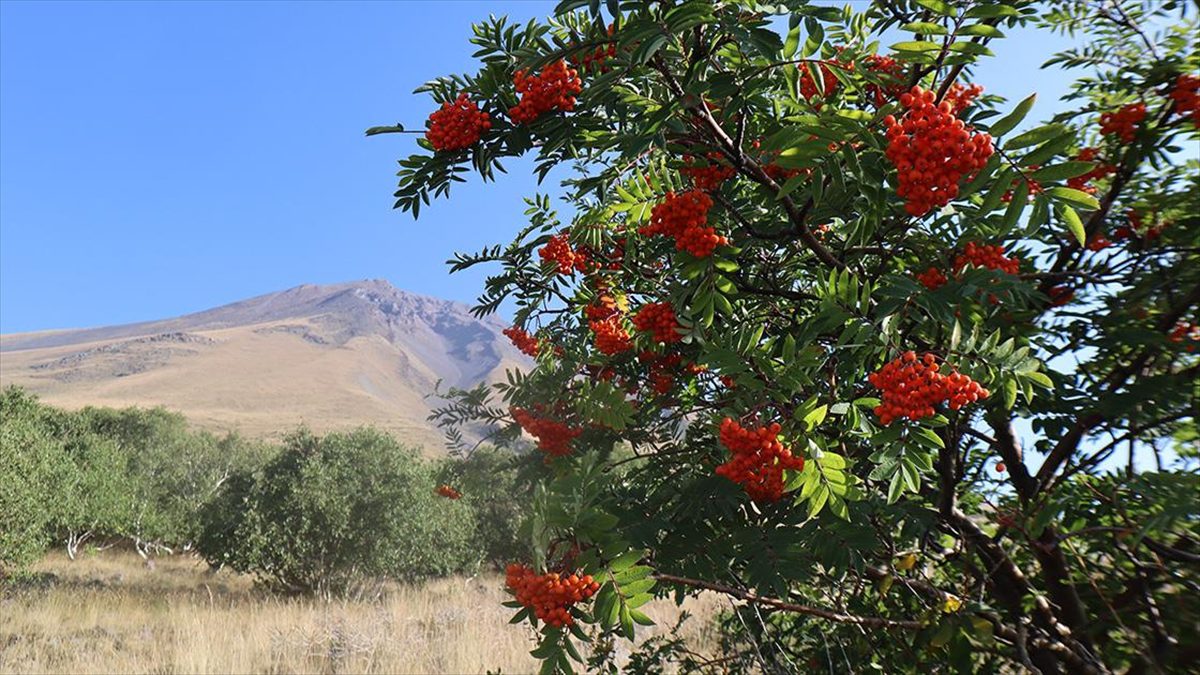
(328, 514)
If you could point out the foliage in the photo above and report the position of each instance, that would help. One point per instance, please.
(494, 483)
(329, 514)
(901, 547)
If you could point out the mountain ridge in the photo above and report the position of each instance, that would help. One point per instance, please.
(327, 356)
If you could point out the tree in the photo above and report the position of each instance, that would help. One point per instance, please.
(911, 377)
(330, 514)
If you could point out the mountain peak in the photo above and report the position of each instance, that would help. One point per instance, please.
(347, 353)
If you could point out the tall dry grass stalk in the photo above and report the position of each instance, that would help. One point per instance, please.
(111, 613)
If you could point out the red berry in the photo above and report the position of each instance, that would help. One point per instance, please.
(758, 460)
(457, 125)
(553, 89)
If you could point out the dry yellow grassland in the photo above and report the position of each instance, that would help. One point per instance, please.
(109, 612)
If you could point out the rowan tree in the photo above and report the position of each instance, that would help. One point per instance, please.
(931, 405)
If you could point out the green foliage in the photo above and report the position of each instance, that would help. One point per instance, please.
(495, 484)
(328, 514)
(1090, 379)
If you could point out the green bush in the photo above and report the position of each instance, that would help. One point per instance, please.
(331, 513)
(496, 485)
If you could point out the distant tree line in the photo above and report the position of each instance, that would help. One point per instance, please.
(313, 514)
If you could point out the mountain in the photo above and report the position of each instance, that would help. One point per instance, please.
(326, 356)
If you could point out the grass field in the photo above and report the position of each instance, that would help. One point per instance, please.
(109, 612)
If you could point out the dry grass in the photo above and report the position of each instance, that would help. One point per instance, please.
(110, 613)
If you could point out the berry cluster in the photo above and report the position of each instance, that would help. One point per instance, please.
(684, 218)
(549, 595)
(989, 256)
(1137, 228)
(611, 336)
(659, 319)
(1098, 242)
(707, 177)
(1061, 295)
(932, 278)
(447, 492)
(599, 56)
(891, 72)
(758, 460)
(910, 388)
(808, 88)
(457, 125)
(662, 372)
(522, 340)
(566, 260)
(1124, 121)
(1034, 186)
(932, 150)
(553, 437)
(960, 96)
(1186, 95)
(554, 88)
(1101, 170)
(1184, 330)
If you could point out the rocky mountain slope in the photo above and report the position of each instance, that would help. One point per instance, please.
(326, 356)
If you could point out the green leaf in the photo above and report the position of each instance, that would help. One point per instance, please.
(1074, 197)
(1034, 136)
(943, 8)
(919, 47)
(1010, 121)
(1074, 224)
(641, 618)
(982, 30)
(1010, 393)
(626, 560)
(395, 129)
(1061, 171)
(815, 417)
(925, 28)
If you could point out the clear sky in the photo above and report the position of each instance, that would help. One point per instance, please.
(159, 158)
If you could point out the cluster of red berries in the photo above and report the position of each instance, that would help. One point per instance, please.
(1136, 226)
(758, 460)
(1034, 186)
(932, 150)
(1098, 242)
(1101, 170)
(549, 595)
(457, 125)
(1124, 121)
(1186, 95)
(566, 259)
(808, 87)
(602, 308)
(910, 388)
(554, 88)
(659, 319)
(599, 56)
(553, 437)
(960, 96)
(522, 340)
(684, 218)
(663, 369)
(1061, 295)
(447, 492)
(932, 278)
(986, 255)
(1184, 330)
(707, 177)
(891, 73)
(611, 336)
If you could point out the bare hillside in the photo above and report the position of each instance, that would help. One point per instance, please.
(326, 356)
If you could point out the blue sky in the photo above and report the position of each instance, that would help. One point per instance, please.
(163, 158)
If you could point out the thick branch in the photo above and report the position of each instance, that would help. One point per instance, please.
(753, 598)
